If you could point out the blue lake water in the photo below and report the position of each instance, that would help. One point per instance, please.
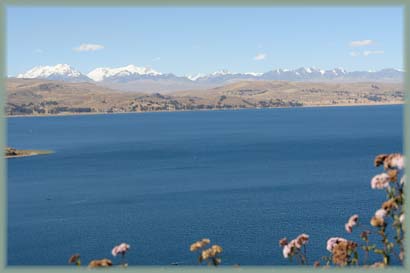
(160, 181)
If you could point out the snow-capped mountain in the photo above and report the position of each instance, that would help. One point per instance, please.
(387, 73)
(224, 76)
(338, 74)
(195, 77)
(134, 78)
(61, 72)
(304, 73)
(125, 73)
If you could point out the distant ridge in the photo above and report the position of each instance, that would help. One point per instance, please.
(45, 97)
(148, 80)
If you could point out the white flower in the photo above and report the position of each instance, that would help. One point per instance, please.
(332, 242)
(380, 181)
(397, 161)
(381, 213)
(351, 223)
(120, 249)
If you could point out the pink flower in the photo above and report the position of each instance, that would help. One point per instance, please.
(120, 249)
(397, 161)
(302, 239)
(381, 213)
(351, 223)
(289, 248)
(334, 241)
(380, 181)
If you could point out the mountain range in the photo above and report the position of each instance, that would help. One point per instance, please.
(148, 80)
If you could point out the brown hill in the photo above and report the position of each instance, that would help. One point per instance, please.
(306, 93)
(37, 97)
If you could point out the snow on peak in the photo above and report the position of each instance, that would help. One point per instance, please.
(44, 72)
(338, 71)
(280, 70)
(102, 73)
(220, 72)
(255, 74)
(131, 72)
(195, 77)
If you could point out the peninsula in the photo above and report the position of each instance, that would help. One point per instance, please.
(12, 153)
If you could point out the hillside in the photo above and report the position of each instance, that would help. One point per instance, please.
(272, 93)
(38, 97)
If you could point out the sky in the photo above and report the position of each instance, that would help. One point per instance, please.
(188, 40)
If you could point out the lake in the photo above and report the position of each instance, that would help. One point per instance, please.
(160, 181)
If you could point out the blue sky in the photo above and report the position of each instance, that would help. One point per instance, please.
(186, 41)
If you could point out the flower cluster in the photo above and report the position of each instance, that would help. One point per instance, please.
(344, 252)
(341, 250)
(100, 263)
(390, 161)
(394, 206)
(120, 249)
(294, 247)
(209, 255)
(199, 244)
(380, 181)
(390, 214)
(332, 242)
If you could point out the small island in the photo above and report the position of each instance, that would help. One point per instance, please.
(12, 153)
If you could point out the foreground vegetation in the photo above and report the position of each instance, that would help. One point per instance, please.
(387, 223)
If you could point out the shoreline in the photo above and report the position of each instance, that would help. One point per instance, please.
(202, 110)
(27, 153)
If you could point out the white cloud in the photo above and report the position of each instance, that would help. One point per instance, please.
(88, 47)
(260, 57)
(361, 43)
(372, 52)
(354, 53)
(156, 59)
